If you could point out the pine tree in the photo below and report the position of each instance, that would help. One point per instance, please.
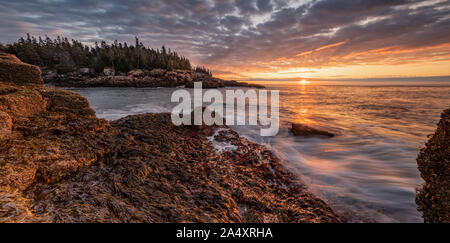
(65, 56)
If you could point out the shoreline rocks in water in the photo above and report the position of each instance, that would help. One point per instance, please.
(433, 198)
(141, 79)
(307, 131)
(59, 163)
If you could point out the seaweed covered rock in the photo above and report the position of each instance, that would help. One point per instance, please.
(60, 166)
(433, 199)
(12, 70)
(165, 173)
(5, 124)
(67, 102)
(45, 146)
(44, 138)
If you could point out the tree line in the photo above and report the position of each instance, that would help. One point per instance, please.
(64, 56)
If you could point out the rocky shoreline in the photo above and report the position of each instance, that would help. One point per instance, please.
(140, 79)
(59, 163)
(433, 198)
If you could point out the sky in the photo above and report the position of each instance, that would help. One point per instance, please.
(261, 39)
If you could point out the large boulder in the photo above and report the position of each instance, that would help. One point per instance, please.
(433, 199)
(46, 135)
(306, 131)
(12, 70)
(64, 101)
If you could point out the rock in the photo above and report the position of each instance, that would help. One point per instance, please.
(21, 102)
(203, 128)
(59, 163)
(157, 72)
(200, 75)
(12, 70)
(306, 131)
(65, 165)
(433, 198)
(46, 135)
(136, 73)
(163, 173)
(7, 89)
(143, 78)
(85, 71)
(109, 71)
(50, 75)
(234, 83)
(172, 76)
(5, 124)
(65, 101)
(15, 208)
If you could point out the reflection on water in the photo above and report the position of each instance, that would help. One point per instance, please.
(367, 173)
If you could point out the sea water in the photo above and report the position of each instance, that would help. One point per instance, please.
(368, 172)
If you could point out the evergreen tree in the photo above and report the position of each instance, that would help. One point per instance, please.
(66, 56)
(2, 48)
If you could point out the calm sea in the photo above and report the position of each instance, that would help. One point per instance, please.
(366, 173)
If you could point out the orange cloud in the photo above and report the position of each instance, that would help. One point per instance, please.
(332, 45)
(322, 48)
(393, 61)
(395, 50)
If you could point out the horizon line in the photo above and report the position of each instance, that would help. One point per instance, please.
(415, 78)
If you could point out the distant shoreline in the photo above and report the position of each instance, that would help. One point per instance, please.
(140, 79)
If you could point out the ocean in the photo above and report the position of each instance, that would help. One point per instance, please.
(368, 172)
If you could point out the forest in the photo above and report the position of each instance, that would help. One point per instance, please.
(64, 56)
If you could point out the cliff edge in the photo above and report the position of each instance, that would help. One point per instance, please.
(433, 198)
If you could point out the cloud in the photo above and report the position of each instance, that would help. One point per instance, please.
(264, 5)
(234, 35)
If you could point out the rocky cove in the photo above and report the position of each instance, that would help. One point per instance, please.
(59, 163)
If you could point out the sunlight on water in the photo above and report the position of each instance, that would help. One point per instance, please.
(367, 172)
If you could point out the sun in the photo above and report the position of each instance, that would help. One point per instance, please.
(303, 82)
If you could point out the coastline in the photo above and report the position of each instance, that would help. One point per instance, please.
(141, 79)
(433, 162)
(62, 164)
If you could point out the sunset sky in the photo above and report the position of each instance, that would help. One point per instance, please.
(258, 40)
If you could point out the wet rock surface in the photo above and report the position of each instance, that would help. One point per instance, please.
(162, 173)
(433, 198)
(59, 163)
(142, 78)
(307, 131)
